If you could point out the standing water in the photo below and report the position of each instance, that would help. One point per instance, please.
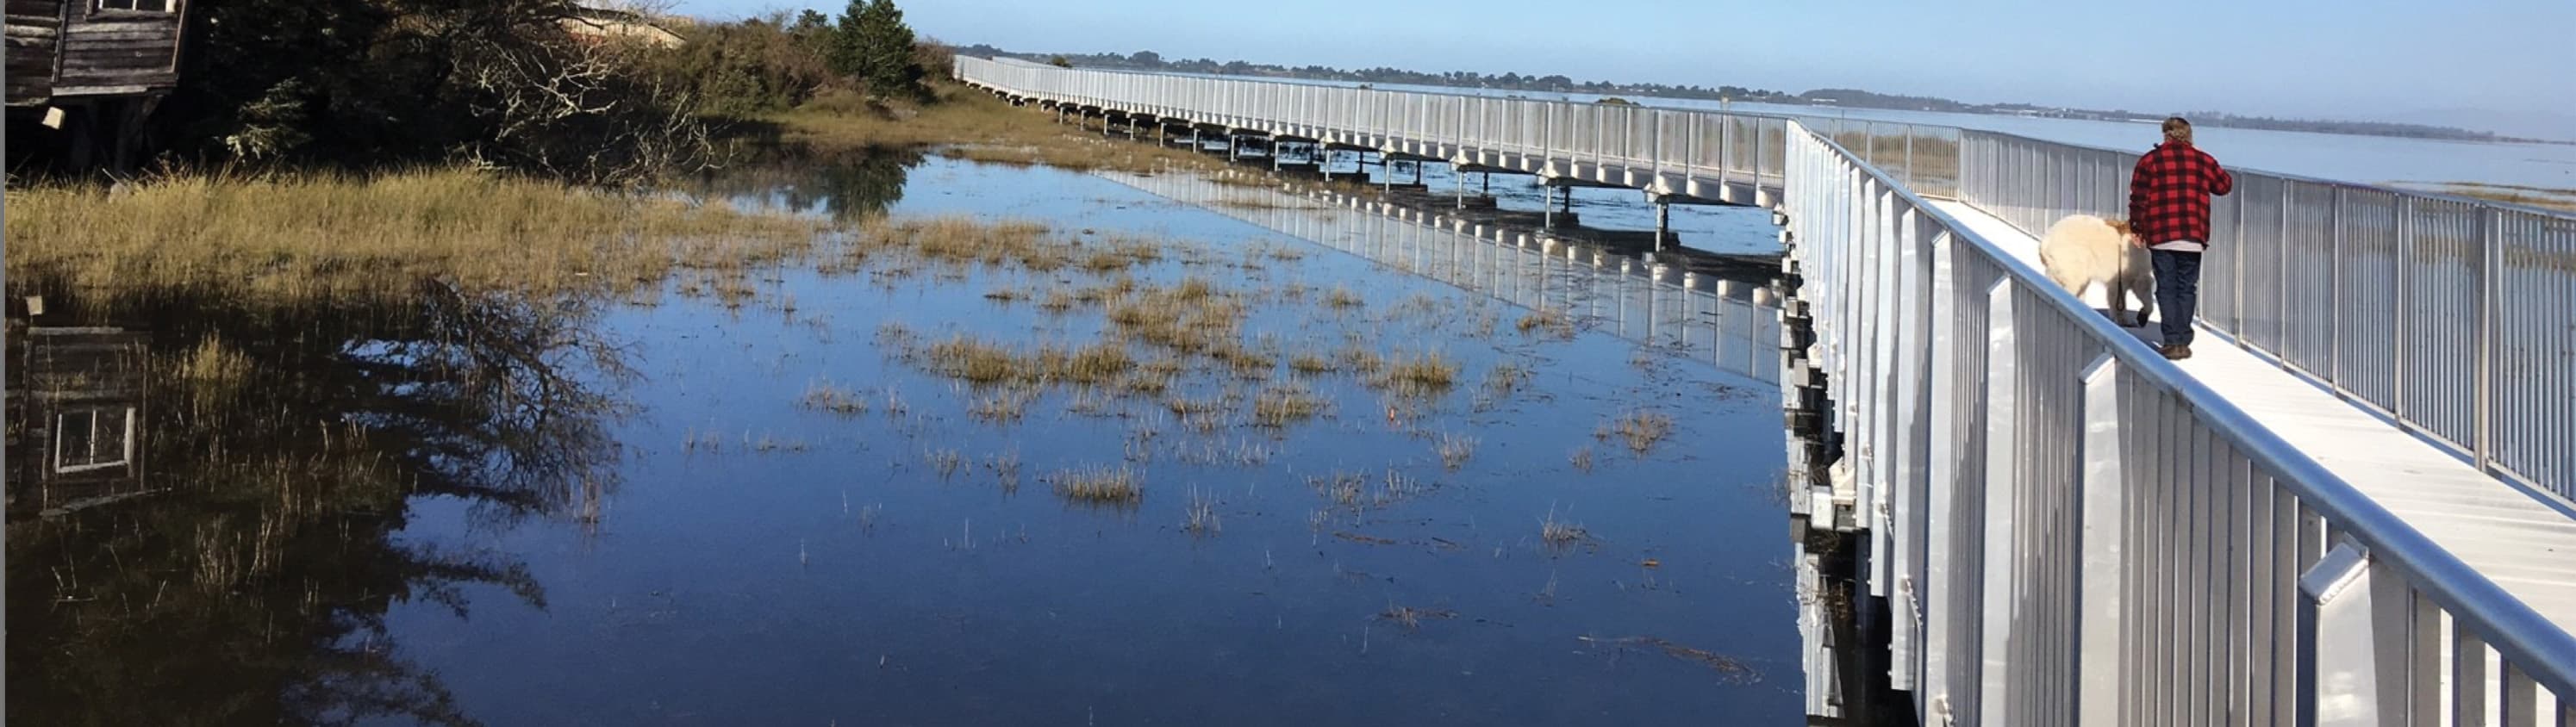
(1161, 450)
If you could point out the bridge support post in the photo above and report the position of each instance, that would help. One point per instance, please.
(1663, 220)
(1459, 177)
(1324, 159)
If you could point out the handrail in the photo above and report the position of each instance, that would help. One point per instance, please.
(2521, 635)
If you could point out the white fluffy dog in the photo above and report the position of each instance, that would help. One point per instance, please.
(2083, 249)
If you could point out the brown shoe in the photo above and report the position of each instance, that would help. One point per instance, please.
(2175, 352)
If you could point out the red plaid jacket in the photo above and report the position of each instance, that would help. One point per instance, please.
(2169, 193)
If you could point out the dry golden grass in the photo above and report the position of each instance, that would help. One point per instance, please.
(304, 238)
(1427, 372)
(826, 396)
(1642, 428)
(1550, 321)
(1119, 486)
(1280, 406)
(1192, 317)
(978, 361)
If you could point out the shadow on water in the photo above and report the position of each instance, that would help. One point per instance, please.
(287, 444)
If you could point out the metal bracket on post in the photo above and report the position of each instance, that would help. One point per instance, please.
(2355, 633)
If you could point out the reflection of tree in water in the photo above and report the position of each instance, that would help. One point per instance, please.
(848, 184)
(255, 591)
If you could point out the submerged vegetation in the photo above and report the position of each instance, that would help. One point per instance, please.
(342, 340)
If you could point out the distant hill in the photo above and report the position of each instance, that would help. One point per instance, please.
(1836, 97)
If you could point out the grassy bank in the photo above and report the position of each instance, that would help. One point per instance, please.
(969, 124)
(307, 238)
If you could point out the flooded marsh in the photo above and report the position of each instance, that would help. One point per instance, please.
(1002, 444)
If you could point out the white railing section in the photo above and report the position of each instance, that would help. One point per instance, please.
(2073, 532)
(2079, 535)
(2454, 317)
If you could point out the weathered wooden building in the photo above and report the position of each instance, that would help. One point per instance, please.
(93, 69)
(76, 402)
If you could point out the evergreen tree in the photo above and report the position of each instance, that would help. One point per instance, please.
(883, 48)
(874, 46)
(843, 54)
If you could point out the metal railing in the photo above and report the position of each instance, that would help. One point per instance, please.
(2454, 317)
(2074, 532)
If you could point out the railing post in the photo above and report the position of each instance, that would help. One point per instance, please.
(2281, 281)
(1996, 672)
(2334, 293)
(2100, 652)
(2402, 217)
(2490, 274)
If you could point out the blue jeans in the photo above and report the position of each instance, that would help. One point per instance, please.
(2177, 292)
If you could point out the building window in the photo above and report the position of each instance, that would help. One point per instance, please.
(93, 439)
(154, 6)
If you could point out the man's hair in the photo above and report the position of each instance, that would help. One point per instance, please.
(2177, 129)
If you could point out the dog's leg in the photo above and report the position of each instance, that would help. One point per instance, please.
(2142, 281)
(2119, 295)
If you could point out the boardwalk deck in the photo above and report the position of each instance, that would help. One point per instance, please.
(2523, 543)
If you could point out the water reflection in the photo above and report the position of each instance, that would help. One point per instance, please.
(845, 184)
(1729, 323)
(290, 441)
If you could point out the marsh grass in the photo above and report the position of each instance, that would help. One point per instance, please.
(1283, 405)
(1455, 449)
(1201, 516)
(1111, 486)
(1642, 428)
(1310, 363)
(1006, 405)
(1425, 372)
(1005, 466)
(322, 237)
(1411, 618)
(945, 461)
(1341, 297)
(1580, 458)
(1547, 321)
(823, 395)
(1560, 533)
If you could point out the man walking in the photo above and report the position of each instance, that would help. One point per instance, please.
(2169, 215)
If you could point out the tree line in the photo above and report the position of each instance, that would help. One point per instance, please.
(506, 84)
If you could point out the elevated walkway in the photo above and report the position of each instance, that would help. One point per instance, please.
(2523, 541)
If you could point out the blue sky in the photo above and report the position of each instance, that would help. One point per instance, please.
(2510, 64)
